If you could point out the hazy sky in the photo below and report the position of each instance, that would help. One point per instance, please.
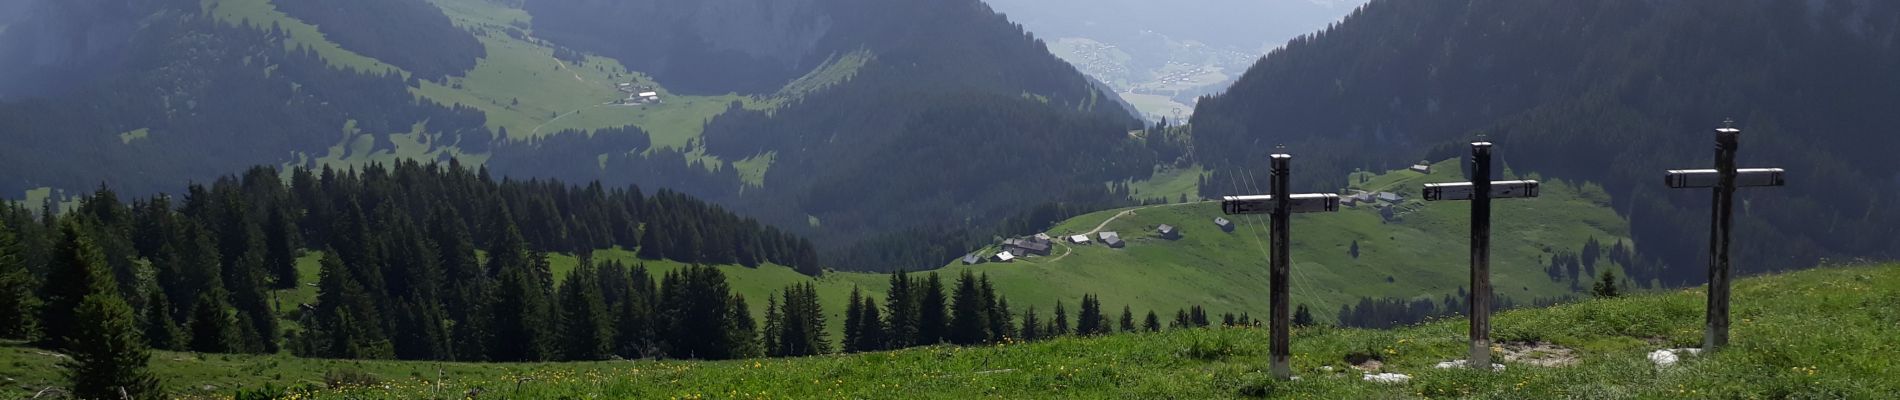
(1241, 24)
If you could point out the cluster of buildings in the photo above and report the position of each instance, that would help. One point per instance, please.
(1042, 244)
(637, 95)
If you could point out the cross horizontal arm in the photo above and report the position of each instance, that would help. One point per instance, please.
(1263, 204)
(1468, 191)
(1708, 178)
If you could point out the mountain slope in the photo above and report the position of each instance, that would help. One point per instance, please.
(1780, 350)
(539, 89)
(1612, 92)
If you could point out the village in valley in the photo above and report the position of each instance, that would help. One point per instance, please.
(1391, 206)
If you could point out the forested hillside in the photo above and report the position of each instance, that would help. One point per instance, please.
(1614, 92)
(786, 111)
(411, 34)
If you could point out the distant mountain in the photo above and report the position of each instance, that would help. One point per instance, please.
(1613, 92)
(867, 125)
(1162, 55)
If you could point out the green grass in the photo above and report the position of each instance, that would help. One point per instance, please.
(261, 14)
(1823, 333)
(128, 137)
(1424, 253)
(1169, 183)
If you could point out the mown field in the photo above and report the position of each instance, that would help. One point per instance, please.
(1825, 333)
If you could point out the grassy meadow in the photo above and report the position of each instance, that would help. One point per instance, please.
(1824, 333)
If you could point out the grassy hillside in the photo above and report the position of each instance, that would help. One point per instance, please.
(1422, 252)
(1823, 333)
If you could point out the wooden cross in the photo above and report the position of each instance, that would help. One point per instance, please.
(1280, 205)
(1724, 179)
(1480, 191)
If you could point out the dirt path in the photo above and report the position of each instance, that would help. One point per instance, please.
(1066, 250)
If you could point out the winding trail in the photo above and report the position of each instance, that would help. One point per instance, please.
(1066, 250)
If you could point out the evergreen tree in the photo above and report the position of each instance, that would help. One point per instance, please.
(1354, 250)
(871, 335)
(900, 305)
(77, 267)
(635, 323)
(281, 249)
(1092, 321)
(774, 329)
(418, 331)
(1198, 315)
(743, 333)
(108, 359)
(853, 322)
(1151, 323)
(1303, 316)
(1181, 320)
(17, 302)
(1001, 328)
(931, 318)
(212, 330)
(1127, 320)
(160, 331)
(1032, 326)
(520, 313)
(586, 323)
(1059, 326)
(1606, 286)
(969, 318)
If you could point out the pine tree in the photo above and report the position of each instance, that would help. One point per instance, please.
(586, 325)
(1032, 326)
(212, 330)
(774, 329)
(1303, 316)
(635, 322)
(969, 319)
(931, 317)
(1199, 316)
(1181, 320)
(520, 313)
(1127, 320)
(995, 310)
(1606, 286)
(17, 302)
(853, 322)
(1354, 250)
(1059, 326)
(77, 267)
(160, 331)
(900, 306)
(346, 323)
(1151, 323)
(871, 334)
(743, 332)
(108, 359)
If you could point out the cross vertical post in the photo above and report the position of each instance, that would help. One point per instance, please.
(1480, 191)
(1281, 204)
(1480, 300)
(1282, 216)
(1715, 334)
(1725, 178)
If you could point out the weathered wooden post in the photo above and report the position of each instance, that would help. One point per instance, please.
(1280, 205)
(1724, 179)
(1480, 190)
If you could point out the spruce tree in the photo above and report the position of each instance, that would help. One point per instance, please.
(853, 322)
(212, 330)
(969, 319)
(1151, 323)
(1001, 328)
(635, 323)
(900, 306)
(160, 330)
(108, 359)
(521, 315)
(1060, 325)
(931, 317)
(18, 305)
(1032, 325)
(1606, 286)
(871, 335)
(77, 266)
(586, 326)
(1127, 320)
(742, 331)
(1303, 316)
(347, 323)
